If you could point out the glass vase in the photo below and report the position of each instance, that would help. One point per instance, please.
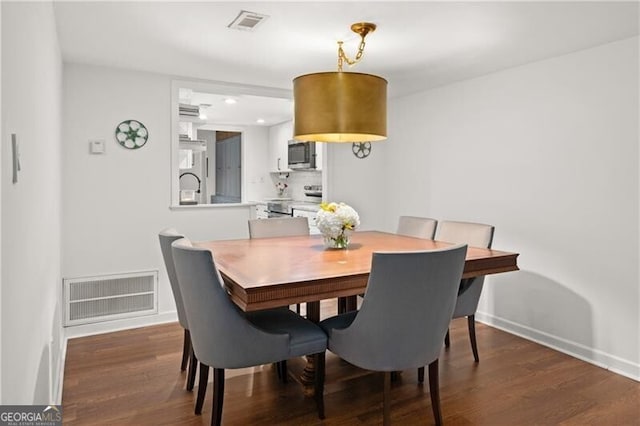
(339, 242)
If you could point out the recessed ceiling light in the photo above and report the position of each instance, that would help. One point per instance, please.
(260, 121)
(230, 101)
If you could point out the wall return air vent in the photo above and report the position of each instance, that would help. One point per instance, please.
(247, 21)
(110, 297)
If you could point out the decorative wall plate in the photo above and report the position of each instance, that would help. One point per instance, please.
(361, 149)
(131, 134)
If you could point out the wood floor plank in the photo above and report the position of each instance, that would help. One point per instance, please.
(133, 377)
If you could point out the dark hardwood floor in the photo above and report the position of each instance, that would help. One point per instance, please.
(133, 377)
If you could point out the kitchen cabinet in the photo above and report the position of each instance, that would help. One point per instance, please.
(279, 136)
(311, 216)
(260, 211)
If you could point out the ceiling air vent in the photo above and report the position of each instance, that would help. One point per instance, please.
(247, 21)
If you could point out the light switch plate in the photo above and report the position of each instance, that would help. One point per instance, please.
(97, 146)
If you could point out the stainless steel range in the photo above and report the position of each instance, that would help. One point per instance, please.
(279, 209)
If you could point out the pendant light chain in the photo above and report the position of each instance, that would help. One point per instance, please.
(342, 57)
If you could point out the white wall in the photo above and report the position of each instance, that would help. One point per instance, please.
(361, 183)
(255, 163)
(548, 153)
(1, 179)
(116, 203)
(31, 208)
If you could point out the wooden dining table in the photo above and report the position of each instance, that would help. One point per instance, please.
(272, 272)
(265, 273)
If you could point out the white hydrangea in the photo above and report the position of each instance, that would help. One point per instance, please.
(334, 218)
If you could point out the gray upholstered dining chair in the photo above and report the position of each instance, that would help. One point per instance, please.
(419, 227)
(404, 316)
(475, 235)
(168, 236)
(224, 337)
(411, 226)
(278, 227)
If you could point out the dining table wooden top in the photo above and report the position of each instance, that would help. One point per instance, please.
(265, 273)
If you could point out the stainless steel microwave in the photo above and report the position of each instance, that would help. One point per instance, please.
(302, 155)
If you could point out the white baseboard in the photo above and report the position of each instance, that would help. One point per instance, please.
(121, 324)
(57, 391)
(593, 356)
(101, 328)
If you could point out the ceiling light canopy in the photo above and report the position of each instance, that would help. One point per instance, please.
(341, 106)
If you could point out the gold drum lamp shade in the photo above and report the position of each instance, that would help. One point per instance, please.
(341, 106)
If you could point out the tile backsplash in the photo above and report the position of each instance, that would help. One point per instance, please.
(296, 182)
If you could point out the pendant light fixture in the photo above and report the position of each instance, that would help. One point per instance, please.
(341, 106)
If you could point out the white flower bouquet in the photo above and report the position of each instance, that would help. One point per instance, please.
(336, 221)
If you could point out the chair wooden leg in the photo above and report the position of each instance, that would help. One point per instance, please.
(434, 390)
(186, 350)
(282, 371)
(191, 375)
(319, 384)
(218, 396)
(202, 387)
(352, 303)
(447, 340)
(421, 375)
(471, 321)
(386, 397)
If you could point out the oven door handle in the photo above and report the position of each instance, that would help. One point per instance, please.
(271, 214)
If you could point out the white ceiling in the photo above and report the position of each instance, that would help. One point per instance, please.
(418, 45)
(246, 110)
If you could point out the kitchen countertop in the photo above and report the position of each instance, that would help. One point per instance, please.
(270, 200)
(309, 206)
(305, 205)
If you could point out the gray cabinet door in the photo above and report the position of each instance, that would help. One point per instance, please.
(228, 170)
(220, 160)
(234, 167)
